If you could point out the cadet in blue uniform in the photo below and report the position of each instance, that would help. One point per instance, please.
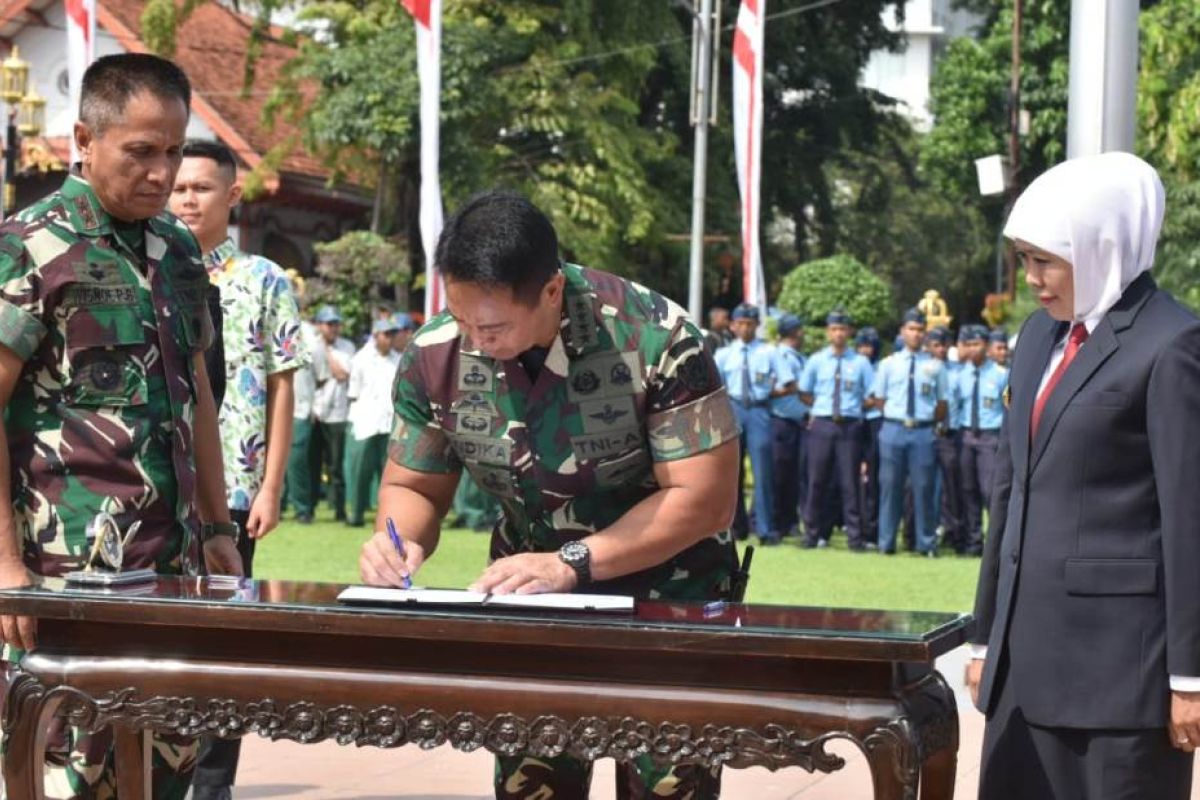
(981, 385)
(789, 415)
(913, 390)
(997, 346)
(748, 367)
(948, 493)
(868, 346)
(835, 383)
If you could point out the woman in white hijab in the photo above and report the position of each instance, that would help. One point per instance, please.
(1087, 652)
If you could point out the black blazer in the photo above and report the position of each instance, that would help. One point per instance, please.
(1089, 589)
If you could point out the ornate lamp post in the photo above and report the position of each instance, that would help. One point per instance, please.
(26, 110)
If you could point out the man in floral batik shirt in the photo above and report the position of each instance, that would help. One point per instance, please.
(263, 348)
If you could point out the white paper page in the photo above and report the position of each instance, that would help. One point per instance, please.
(456, 597)
(441, 597)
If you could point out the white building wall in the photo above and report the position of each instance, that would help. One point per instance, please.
(906, 75)
(45, 48)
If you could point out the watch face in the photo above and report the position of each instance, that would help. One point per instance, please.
(575, 553)
(107, 540)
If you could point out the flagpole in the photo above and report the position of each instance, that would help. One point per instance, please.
(701, 83)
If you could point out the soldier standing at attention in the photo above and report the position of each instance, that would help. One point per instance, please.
(912, 389)
(867, 343)
(331, 409)
(107, 405)
(981, 385)
(789, 415)
(948, 500)
(372, 373)
(263, 350)
(997, 346)
(747, 366)
(590, 407)
(835, 384)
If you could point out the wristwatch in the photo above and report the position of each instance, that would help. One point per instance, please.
(210, 529)
(578, 557)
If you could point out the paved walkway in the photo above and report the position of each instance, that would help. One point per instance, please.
(330, 772)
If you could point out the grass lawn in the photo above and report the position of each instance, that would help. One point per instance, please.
(328, 551)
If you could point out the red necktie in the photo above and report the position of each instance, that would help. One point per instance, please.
(1075, 340)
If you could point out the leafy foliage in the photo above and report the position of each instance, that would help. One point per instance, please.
(814, 288)
(357, 273)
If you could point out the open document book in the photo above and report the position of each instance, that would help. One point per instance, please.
(369, 595)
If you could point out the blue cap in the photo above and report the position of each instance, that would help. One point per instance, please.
(384, 326)
(745, 311)
(788, 324)
(914, 315)
(998, 335)
(938, 335)
(404, 322)
(328, 314)
(867, 335)
(837, 317)
(972, 333)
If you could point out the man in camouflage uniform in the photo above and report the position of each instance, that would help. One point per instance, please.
(591, 408)
(103, 322)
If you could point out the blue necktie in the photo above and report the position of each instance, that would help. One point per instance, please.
(745, 374)
(837, 388)
(910, 411)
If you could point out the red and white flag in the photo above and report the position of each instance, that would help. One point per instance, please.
(81, 50)
(747, 138)
(428, 17)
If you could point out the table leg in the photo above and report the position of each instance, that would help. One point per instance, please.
(132, 763)
(892, 755)
(27, 711)
(937, 775)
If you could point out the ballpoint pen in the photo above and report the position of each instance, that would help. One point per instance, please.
(398, 543)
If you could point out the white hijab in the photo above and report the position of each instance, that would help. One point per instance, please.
(1100, 213)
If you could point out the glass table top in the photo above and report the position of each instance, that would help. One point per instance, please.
(321, 598)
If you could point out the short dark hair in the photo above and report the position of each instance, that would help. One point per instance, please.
(111, 80)
(499, 238)
(213, 151)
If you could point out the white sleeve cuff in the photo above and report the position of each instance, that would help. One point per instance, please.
(979, 651)
(1184, 683)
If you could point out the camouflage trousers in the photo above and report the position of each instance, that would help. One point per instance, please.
(81, 765)
(567, 778)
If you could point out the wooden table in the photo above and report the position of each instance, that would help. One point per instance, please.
(739, 686)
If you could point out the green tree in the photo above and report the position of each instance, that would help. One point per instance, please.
(358, 272)
(814, 288)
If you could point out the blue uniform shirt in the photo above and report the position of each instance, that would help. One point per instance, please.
(953, 399)
(760, 355)
(993, 379)
(789, 366)
(818, 379)
(929, 380)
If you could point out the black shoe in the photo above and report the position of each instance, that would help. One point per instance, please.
(857, 547)
(768, 541)
(212, 793)
(809, 544)
(304, 519)
(891, 551)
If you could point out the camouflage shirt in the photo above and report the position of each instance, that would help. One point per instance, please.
(106, 316)
(627, 382)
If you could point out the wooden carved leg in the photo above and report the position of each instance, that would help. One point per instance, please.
(935, 716)
(27, 711)
(892, 754)
(132, 763)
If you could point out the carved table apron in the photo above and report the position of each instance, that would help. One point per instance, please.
(760, 685)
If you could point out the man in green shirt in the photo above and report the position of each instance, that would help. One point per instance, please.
(591, 409)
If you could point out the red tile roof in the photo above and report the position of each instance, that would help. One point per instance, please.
(211, 48)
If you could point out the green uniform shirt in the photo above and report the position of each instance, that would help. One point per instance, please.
(106, 316)
(627, 382)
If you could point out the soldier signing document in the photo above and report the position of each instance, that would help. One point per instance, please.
(107, 406)
(590, 408)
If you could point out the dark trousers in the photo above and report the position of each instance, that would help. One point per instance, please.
(331, 443)
(1029, 762)
(788, 472)
(869, 480)
(304, 468)
(217, 761)
(834, 451)
(950, 474)
(755, 422)
(978, 462)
